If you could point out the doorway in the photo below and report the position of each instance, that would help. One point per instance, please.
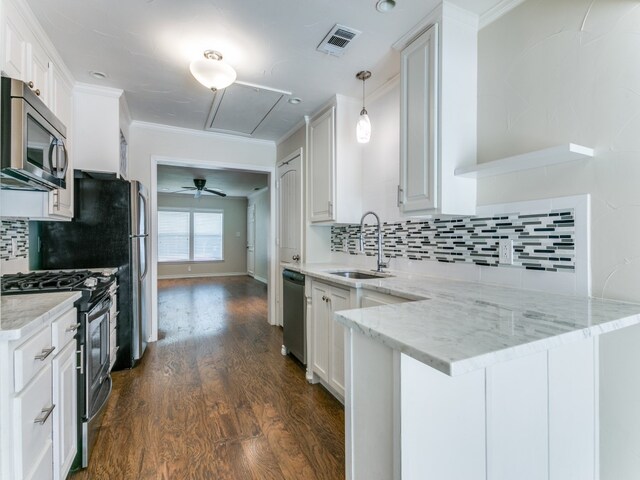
(270, 234)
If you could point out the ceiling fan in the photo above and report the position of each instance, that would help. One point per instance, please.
(200, 188)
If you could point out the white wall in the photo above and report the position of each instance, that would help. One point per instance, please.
(234, 237)
(559, 71)
(263, 214)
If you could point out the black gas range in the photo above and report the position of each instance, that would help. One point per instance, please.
(94, 307)
(93, 286)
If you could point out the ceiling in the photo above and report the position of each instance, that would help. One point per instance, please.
(235, 183)
(145, 47)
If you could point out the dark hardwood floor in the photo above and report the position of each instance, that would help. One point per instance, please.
(214, 399)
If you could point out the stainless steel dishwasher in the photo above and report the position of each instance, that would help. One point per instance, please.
(293, 318)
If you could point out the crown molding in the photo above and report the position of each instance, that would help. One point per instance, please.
(97, 90)
(497, 11)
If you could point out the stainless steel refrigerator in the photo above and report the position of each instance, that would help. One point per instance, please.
(109, 229)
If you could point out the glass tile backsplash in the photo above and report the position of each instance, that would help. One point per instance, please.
(541, 241)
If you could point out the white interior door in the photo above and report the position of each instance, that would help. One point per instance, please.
(251, 239)
(290, 210)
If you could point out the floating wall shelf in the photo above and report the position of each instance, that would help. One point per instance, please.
(540, 158)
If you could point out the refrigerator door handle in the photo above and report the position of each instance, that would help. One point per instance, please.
(146, 263)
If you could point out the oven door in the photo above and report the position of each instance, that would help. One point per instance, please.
(97, 356)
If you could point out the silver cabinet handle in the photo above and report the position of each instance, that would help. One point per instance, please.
(295, 258)
(400, 191)
(324, 298)
(44, 354)
(331, 209)
(73, 328)
(44, 414)
(81, 366)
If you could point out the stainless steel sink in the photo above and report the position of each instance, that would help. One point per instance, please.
(357, 275)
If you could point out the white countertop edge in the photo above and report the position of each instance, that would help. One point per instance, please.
(33, 324)
(460, 367)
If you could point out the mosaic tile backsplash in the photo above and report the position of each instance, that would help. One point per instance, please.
(541, 241)
(17, 229)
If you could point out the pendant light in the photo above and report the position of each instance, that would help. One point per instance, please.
(363, 127)
(212, 72)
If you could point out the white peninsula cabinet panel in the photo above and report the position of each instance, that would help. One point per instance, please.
(531, 418)
(334, 173)
(327, 357)
(438, 104)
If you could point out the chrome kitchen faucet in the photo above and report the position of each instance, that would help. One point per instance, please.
(381, 264)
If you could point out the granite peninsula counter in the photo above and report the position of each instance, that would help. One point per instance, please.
(468, 380)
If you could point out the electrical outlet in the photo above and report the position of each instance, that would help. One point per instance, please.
(14, 248)
(506, 251)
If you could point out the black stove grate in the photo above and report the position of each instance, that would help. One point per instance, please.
(44, 281)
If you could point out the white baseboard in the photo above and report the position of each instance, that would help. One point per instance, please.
(260, 279)
(199, 275)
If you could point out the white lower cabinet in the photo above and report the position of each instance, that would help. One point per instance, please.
(327, 336)
(38, 402)
(65, 441)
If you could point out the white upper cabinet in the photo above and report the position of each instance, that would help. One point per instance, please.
(26, 54)
(335, 159)
(438, 104)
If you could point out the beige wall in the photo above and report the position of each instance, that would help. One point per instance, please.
(235, 236)
(560, 71)
(263, 214)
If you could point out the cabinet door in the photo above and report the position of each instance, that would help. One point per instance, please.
(320, 324)
(418, 190)
(15, 45)
(340, 300)
(38, 76)
(32, 421)
(65, 414)
(322, 159)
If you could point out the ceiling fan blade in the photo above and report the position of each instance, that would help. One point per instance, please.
(190, 188)
(180, 191)
(215, 192)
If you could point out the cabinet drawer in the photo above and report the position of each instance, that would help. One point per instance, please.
(63, 329)
(33, 438)
(42, 469)
(30, 357)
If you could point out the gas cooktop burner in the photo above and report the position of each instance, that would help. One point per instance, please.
(51, 281)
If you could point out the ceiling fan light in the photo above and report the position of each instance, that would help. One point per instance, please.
(363, 128)
(212, 72)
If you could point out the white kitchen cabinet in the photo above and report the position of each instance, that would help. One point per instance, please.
(26, 56)
(327, 352)
(334, 173)
(38, 401)
(65, 441)
(438, 104)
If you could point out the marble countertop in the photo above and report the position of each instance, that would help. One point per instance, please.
(457, 327)
(21, 315)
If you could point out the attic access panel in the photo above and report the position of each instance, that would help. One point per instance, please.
(240, 109)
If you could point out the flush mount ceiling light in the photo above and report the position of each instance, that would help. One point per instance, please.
(363, 127)
(384, 6)
(212, 72)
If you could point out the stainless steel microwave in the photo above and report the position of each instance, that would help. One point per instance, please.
(33, 154)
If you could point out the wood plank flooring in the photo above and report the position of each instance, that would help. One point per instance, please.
(214, 399)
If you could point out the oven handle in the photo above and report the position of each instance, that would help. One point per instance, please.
(91, 316)
(81, 366)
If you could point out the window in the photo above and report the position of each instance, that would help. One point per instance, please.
(190, 236)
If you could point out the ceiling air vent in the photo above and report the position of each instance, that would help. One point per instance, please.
(337, 40)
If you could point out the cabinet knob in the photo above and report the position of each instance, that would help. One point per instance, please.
(30, 84)
(295, 258)
(37, 91)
